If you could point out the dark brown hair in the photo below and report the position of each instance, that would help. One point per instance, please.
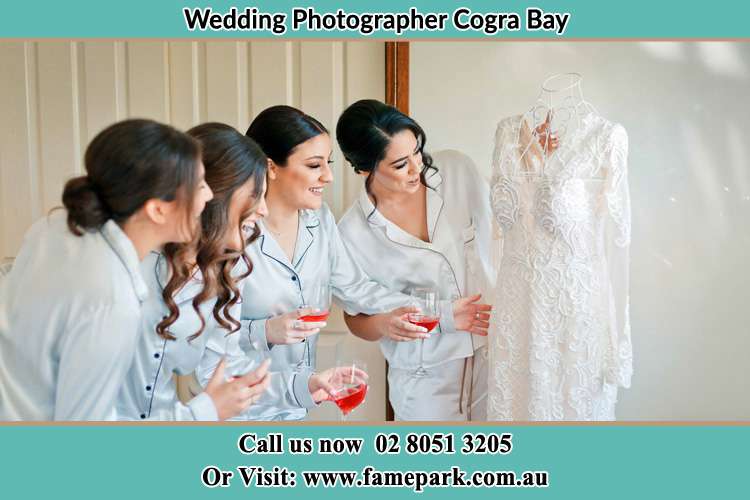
(278, 130)
(127, 164)
(230, 159)
(364, 131)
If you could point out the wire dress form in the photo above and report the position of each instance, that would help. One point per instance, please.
(560, 341)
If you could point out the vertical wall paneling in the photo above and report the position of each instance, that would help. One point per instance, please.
(184, 84)
(58, 119)
(121, 80)
(56, 96)
(223, 83)
(294, 69)
(201, 84)
(242, 60)
(274, 75)
(79, 104)
(19, 184)
(103, 93)
(147, 77)
(100, 86)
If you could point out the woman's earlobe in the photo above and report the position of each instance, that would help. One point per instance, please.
(272, 170)
(154, 211)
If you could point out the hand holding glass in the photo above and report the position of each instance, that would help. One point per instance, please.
(349, 385)
(319, 299)
(428, 301)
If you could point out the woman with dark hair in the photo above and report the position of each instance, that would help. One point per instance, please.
(70, 310)
(299, 249)
(415, 225)
(195, 291)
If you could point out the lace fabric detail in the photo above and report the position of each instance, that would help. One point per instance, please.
(560, 341)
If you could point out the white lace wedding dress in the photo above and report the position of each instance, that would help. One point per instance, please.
(560, 341)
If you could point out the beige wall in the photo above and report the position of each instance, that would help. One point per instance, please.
(55, 96)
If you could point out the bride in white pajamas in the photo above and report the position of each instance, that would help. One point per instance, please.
(421, 221)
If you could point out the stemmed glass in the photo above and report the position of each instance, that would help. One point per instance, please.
(427, 299)
(349, 384)
(318, 297)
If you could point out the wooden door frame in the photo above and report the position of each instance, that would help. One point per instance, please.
(397, 75)
(397, 95)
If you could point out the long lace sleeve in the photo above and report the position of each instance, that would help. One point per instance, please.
(503, 194)
(504, 197)
(619, 368)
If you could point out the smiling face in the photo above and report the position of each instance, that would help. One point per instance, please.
(307, 171)
(244, 212)
(398, 171)
(257, 211)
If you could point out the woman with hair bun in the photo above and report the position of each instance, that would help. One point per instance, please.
(421, 221)
(70, 310)
(195, 292)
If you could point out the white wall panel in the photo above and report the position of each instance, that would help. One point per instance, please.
(100, 77)
(274, 75)
(20, 200)
(148, 80)
(58, 118)
(185, 84)
(226, 83)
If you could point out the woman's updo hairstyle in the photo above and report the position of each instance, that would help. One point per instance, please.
(364, 131)
(127, 164)
(278, 130)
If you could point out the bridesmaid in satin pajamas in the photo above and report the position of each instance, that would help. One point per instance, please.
(299, 249)
(70, 309)
(194, 292)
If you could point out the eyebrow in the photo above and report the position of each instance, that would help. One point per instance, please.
(319, 157)
(405, 157)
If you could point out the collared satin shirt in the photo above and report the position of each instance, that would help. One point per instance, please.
(278, 285)
(70, 313)
(149, 390)
(456, 260)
